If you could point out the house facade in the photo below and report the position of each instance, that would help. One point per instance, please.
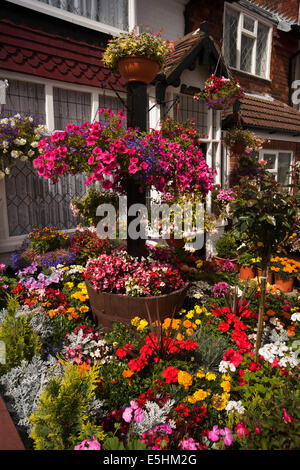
(51, 58)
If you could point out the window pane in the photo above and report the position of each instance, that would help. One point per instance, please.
(192, 109)
(70, 107)
(246, 53)
(230, 37)
(248, 23)
(261, 50)
(25, 97)
(270, 158)
(284, 163)
(111, 12)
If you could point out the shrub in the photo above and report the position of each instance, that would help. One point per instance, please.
(21, 341)
(62, 418)
(226, 246)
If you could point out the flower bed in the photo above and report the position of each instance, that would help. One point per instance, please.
(188, 382)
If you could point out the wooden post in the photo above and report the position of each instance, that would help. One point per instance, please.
(137, 105)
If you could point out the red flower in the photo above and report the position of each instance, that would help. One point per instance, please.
(254, 366)
(223, 326)
(233, 356)
(170, 374)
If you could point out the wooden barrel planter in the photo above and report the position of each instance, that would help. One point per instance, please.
(110, 308)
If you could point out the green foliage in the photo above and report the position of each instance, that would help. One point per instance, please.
(266, 423)
(21, 341)
(246, 259)
(113, 443)
(62, 419)
(211, 347)
(226, 246)
(86, 207)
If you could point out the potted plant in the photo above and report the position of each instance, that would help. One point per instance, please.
(121, 287)
(220, 93)
(226, 247)
(245, 262)
(19, 137)
(240, 140)
(137, 57)
(264, 219)
(284, 269)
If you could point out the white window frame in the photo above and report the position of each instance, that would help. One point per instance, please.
(242, 31)
(10, 243)
(264, 152)
(77, 19)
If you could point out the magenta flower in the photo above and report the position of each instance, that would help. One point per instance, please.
(138, 415)
(89, 445)
(127, 415)
(227, 436)
(213, 435)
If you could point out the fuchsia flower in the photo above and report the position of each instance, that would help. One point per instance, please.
(227, 436)
(286, 417)
(89, 445)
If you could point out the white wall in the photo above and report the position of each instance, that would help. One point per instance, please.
(158, 14)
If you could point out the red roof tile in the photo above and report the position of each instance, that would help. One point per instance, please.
(266, 114)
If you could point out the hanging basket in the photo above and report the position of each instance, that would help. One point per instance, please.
(138, 69)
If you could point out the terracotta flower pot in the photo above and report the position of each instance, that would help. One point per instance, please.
(285, 285)
(138, 69)
(246, 273)
(270, 275)
(110, 308)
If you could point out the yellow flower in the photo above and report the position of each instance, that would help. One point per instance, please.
(70, 285)
(199, 395)
(219, 402)
(135, 321)
(200, 374)
(198, 322)
(142, 325)
(115, 344)
(190, 314)
(81, 285)
(226, 386)
(185, 379)
(226, 377)
(197, 309)
(84, 309)
(210, 376)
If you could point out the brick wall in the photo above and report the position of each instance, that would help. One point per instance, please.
(284, 45)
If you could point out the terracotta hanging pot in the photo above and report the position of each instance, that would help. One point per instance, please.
(110, 308)
(138, 69)
(285, 285)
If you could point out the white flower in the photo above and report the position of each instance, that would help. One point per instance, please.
(24, 158)
(30, 153)
(7, 171)
(295, 316)
(236, 406)
(224, 366)
(34, 144)
(14, 153)
(5, 144)
(20, 141)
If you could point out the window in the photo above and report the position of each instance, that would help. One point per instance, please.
(246, 42)
(279, 163)
(110, 12)
(70, 106)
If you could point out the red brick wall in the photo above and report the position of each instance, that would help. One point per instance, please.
(283, 47)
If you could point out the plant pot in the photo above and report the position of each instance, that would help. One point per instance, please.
(110, 308)
(175, 242)
(246, 273)
(270, 275)
(285, 285)
(138, 69)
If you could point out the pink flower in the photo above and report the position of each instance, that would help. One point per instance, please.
(188, 444)
(227, 436)
(138, 415)
(241, 430)
(127, 415)
(286, 417)
(213, 435)
(133, 169)
(2, 266)
(89, 445)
